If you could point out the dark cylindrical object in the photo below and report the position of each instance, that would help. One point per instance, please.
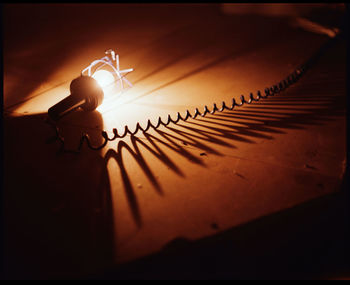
(85, 93)
(65, 106)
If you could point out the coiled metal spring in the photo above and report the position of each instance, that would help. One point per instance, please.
(269, 91)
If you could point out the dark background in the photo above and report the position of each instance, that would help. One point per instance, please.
(309, 241)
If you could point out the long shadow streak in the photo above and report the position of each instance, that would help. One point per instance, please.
(245, 131)
(252, 126)
(161, 155)
(129, 190)
(207, 137)
(104, 222)
(174, 146)
(175, 138)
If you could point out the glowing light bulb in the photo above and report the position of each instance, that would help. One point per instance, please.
(104, 78)
(89, 90)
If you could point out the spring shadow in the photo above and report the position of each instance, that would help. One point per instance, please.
(311, 251)
(242, 125)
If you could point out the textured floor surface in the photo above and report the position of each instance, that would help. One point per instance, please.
(211, 187)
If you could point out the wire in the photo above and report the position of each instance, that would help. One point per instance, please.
(269, 91)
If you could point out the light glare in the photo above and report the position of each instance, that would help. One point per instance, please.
(104, 78)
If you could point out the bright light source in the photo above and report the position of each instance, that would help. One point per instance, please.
(97, 70)
(104, 78)
(89, 90)
(110, 77)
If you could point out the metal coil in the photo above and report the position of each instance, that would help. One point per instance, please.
(269, 91)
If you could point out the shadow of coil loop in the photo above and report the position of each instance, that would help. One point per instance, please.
(269, 91)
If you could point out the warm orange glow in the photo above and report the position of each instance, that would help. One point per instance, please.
(104, 78)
